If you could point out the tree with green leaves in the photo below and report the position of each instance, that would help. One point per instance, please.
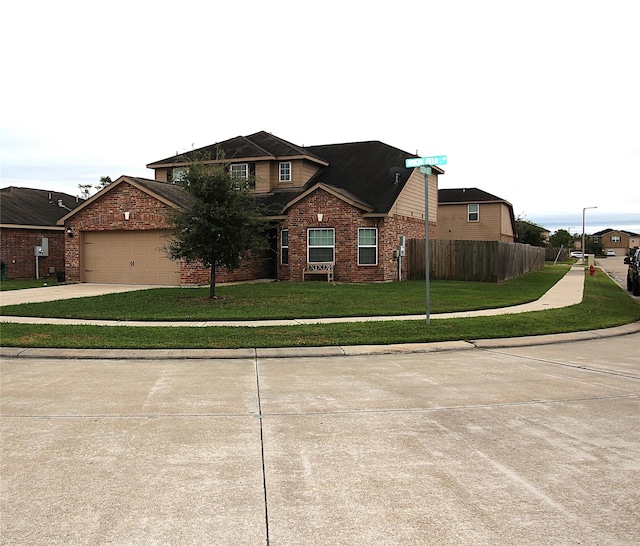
(530, 233)
(222, 226)
(104, 182)
(594, 247)
(561, 238)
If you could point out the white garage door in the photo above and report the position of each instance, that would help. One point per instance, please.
(128, 257)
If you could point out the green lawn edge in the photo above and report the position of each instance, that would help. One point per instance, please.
(605, 305)
(296, 300)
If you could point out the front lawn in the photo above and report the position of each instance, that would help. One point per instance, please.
(21, 284)
(290, 300)
(605, 305)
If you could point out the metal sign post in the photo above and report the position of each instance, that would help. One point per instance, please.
(427, 262)
(421, 162)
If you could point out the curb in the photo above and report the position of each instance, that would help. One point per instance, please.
(315, 352)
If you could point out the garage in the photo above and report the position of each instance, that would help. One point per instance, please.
(128, 257)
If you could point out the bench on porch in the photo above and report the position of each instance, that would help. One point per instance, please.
(319, 268)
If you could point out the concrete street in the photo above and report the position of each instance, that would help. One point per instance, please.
(515, 445)
(617, 270)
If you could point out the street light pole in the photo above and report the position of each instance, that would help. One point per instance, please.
(583, 241)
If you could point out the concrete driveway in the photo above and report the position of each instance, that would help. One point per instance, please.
(530, 445)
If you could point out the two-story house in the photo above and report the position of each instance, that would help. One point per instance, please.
(470, 214)
(338, 211)
(620, 241)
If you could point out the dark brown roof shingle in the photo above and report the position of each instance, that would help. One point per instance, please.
(32, 207)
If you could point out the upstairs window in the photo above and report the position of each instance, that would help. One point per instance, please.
(285, 171)
(473, 213)
(616, 239)
(241, 173)
(178, 174)
(367, 246)
(320, 245)
(240, 170)
(284, 247)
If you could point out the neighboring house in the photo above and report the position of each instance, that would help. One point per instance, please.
(337, 211)
(470, 214)
(28, 219)
(620, 241)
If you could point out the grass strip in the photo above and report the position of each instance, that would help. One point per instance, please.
(604, 305)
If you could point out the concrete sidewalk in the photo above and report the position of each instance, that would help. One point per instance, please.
(568, 291)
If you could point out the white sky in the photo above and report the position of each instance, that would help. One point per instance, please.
(537, 102)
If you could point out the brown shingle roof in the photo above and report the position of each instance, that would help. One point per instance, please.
(466, 195)
(32, 207)
(260, 145)
(371, 172)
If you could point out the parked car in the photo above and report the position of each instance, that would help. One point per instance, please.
(633, 273)
(576, 254)
(611, 252)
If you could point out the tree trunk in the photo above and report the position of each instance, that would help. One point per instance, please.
(212, 282)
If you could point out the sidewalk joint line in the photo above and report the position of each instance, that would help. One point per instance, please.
(262, 457)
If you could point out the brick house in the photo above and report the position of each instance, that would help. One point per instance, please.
(28, 219)
(335, 211)
(470, 214)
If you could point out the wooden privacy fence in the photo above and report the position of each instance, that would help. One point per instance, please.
(484, 261)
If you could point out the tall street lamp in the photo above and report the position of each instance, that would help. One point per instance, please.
(583, 243)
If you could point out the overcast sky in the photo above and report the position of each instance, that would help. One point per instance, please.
(536, 102)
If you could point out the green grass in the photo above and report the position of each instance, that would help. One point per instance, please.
(21, 284)
(289, 300)
(604, 305)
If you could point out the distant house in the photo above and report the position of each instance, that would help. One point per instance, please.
(28, 219)
(470, 214)
(337, 211)
(620, 241)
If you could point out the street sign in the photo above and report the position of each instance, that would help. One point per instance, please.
(425, 170)
(431, 160)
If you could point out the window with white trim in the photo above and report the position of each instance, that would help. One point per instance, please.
(616, 238)
(178, 174)
(473, 213)
(240, 170)
(284, 247)
(367, 246)
(320, 245)
(285, 171)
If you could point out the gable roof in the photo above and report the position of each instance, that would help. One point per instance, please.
(260, 145)
(609, 230)
(467, 195)
(340, 193)
(170, 194)
(32, 207)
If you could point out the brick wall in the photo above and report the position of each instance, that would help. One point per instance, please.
(17, 251)
(146, 212)
(253, 268)
(107, 213)
(346, 220)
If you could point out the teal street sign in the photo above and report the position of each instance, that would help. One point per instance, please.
(420, 161)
